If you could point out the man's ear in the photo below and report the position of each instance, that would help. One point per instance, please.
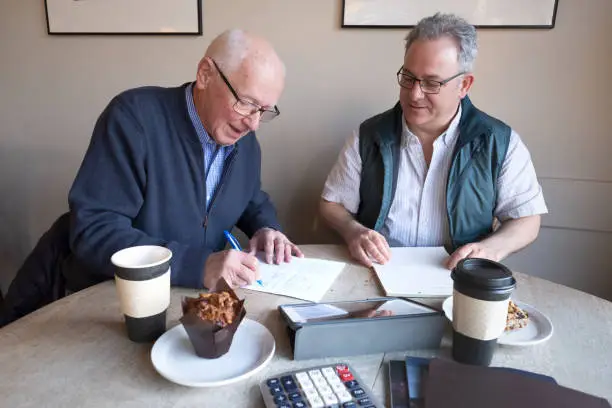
(466, 84)
(205, 73)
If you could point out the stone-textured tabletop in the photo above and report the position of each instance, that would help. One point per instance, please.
(75, 352)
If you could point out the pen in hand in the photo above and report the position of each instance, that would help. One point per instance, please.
(236, 245)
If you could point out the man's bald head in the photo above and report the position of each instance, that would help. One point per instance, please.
(234, 48)
(238, 68)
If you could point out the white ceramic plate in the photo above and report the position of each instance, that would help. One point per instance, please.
(174, 358)
(538, 330)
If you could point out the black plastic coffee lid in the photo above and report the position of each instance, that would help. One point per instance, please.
(483, 273)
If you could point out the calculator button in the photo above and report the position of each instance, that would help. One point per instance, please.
(358, 392)
(307, 385)
(295, 396)
(319, 381)
(364, 401)
(299, 404)
(311, 393)
(329, 372)
(335, 381)
(283, 405)
(349, 405)
(351, 384)
(286, 379)
(344, 396)
(290, 387)
(341, 368)
(301, 377)
(316, 402)
(288, 384)
(324, 389)
(330, 398)
(314, 374)
(309, 388)
(338, 388)
(347, 376)
(276, 390)
(280, 399)
(272, 382)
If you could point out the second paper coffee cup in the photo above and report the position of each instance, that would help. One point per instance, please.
(481, 292)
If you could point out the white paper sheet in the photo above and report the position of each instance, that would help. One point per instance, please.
(302, 278)
(416, 272)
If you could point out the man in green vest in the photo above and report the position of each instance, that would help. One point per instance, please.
(434, 170)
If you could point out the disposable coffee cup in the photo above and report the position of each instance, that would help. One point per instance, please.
(142, 277)
(481, 292)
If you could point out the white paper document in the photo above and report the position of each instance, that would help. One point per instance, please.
(416, 272)
(302, 278)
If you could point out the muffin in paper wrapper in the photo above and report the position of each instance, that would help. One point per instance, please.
(209, 339)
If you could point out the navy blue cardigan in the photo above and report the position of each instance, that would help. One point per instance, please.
(142, 183)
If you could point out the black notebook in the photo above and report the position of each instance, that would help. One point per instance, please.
(451, 384)
(417, 370)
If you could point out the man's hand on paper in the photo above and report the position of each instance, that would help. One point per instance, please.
(365, 244)
(473, 250)
(238, 268)
(511, 236)
(275, 244)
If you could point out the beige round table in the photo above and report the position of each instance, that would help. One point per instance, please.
(75, 352)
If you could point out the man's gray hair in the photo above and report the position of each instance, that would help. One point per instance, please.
(448, 25)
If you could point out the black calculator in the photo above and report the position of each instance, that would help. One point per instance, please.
(336, 386)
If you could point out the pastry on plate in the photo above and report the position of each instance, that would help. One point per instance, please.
(211, 320)
(517, 318)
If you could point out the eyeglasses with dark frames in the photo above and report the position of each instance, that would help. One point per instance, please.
(247, 108)
(428, 86)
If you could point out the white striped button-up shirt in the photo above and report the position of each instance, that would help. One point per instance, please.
(417, 216)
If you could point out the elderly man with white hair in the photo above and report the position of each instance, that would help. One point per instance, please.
(174, 167)
(434, 170)
(178, 166)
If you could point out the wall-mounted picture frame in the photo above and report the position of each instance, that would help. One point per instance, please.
(482, 13)
(124, 17)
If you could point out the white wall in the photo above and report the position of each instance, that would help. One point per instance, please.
(551, 85)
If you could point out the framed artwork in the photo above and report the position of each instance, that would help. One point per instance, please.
(481, 13)
(159, 17)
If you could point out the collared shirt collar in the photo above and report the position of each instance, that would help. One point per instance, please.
(449, 136)
(195, 118)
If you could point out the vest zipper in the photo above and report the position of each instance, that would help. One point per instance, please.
(451, 232)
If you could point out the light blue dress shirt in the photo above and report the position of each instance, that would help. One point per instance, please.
(214, 154)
